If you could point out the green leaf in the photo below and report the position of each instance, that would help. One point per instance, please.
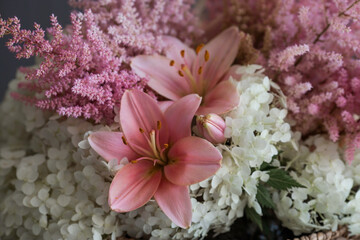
(277, 156)
(264, 198)
(254, 217)
(281, 180)
(266, 166)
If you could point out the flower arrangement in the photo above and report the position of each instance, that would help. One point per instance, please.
(173, 119)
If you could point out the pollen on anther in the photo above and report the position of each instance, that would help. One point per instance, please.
(158, 125)
(166, 145)
(181, 73)
(172, 63)
(206, 56)
(141, 130)
(200, 70)
(182, 53)
(198, 48)
(124, 140)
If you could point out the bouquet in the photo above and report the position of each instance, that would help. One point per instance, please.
(174, 119)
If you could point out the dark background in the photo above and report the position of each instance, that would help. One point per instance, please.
(28, 11)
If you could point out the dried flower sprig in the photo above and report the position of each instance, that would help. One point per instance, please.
(85, 69)
(311, 50)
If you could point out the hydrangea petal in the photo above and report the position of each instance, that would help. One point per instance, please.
(133, 186)
(109, 145)
(175, 202)
(179, 116)
(192, 160)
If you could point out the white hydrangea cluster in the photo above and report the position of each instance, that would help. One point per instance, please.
(54, 186)
(50, 188)
(256, 128)
(331, 196)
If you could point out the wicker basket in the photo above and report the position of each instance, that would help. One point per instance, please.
(341, 234)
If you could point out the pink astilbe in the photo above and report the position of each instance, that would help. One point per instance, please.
(286, 58)
(85, 68)
(138, 24)
(311, 49)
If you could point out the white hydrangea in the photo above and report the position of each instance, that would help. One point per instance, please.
(256, 128)
(54, 186)
(328, 199)
(51, 189)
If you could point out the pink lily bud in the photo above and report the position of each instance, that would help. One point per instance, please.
(211, 127)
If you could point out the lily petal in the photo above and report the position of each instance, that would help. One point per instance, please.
(222, 53)
(139, 115)
(179, 116)
(175, 202)
(221, 99)
(164, 105)
(173, 48)
(232, 72)
(163, 78)
(133, 186)
(109, 145)
(192, 160)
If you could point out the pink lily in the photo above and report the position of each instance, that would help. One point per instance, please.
(164, 157)
(211, 127)
(184, 71)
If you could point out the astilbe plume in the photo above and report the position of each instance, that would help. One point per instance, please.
(137, 24)
(311, 49)
(85, 68)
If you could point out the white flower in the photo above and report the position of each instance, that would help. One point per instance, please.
(324, 203)
(59, 185)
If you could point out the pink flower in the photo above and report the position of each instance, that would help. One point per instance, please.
(84, 68)
(211, 127)
(164, 157)
(184, 71)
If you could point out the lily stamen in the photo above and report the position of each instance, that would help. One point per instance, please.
(198, 48)
(153, 144)
(146, 158)
(166, 146)
(206, 56)
(182, 53)
(189, 76)
(124, 140)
